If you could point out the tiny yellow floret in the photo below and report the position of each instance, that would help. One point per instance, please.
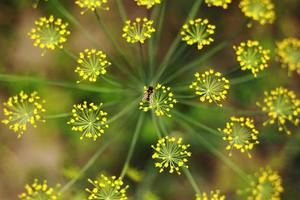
(171, 154)
(218, 3)
(49, 33)
(252, 56)
(148, 3)
(22, 110)
(213, 195)
(89, 119)
(92, 5)
(198, 31)
(138, 31)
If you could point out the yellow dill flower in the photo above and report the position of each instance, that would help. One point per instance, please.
(266, 184)
(147, 3)
(288, 51)
(282, 106)
(252, 56)
(218, 3)
(214, 195)
(107, 188)
(258, 10)
(89, 119)
(92, 5)
(241, 134)
(91, 64)
(23, 109)
(40, 190)
(198, 32)
(138, 30)
(49, 33)
(160, 99)
(171, 154)
(211, 86)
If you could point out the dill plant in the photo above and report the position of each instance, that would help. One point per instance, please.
(154, 97)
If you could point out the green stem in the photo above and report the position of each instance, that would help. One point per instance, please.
(172, 49)
(122, 112)
(89, 163)
(90, 88)
(191, 180)
(61, 115)
(121, 9)
(214, 151)
(155, 124)
(70, 54)
(133, 144)
(244, 79)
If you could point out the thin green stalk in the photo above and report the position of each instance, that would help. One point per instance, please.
(121, 9)
(191, 180)
(154, 42)
(70, 54)
(111, 81)
(195, 63)
(133, 144)
(56, 116)
(122, 112)
(89, 163)
(214, 150)
(142, 68)
(155, 124)
(196, 123)
(244, 79)
(90, 88)
(172, 49)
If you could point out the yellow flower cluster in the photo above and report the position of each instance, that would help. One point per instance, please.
(214, 195)
(211, 86)
(88, 119)
(21, 110)
(92, 64)
(49, 33)
(282, 106)
(138, 30)
(92, 5)
(266, 185)
(171, 154)
(241, 134)
(107, 188)
(161, 100)
(288, 51)
(252, 56)
(198, 32)
(259, 10)
(218, 3)
(40, 190)
(148, 3)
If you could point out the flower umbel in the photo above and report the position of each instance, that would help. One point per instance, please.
(218, 3)
(198, 32)
(258, 10)
(171, 154)
(214, 195)
(147, 3)
(241, 134)
(252, 56)
(49, 33)
(89, 119)
(138, 30)
(161, 100)
(282, 106)
(288, 51)
(40, 190)
(210, 86)
(92, 5)
(265, 185)
(107, 188)
(91, 64)
(23, 109)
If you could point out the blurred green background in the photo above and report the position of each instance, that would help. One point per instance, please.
(54, 152)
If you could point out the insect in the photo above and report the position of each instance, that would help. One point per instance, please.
(148, 94)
